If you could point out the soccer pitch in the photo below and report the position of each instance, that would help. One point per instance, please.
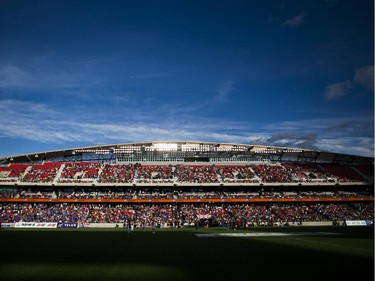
(293, 253)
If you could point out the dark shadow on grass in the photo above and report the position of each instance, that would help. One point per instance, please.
(179, 256)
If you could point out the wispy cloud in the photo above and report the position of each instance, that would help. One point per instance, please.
(340, 125)
(223, 91)
(363, 146)
(13, 109)
(337, 90)
(348, 135)
(97, 60)
(32, 121)
(365, 77)
(44, 124)
(150, 75)
(219, 96)
(294, 21)
(12, 76)
(46, 78)
(292, 139)
(353, 126)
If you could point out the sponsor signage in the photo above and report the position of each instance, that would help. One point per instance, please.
(67, 225)
(36, 224)
(356, 223)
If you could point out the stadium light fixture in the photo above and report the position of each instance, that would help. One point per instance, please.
(162, 147)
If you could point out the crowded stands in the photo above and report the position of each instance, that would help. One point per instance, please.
(185, 194)
(174, 215)
(91, 172)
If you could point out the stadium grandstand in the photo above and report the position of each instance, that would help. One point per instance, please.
(179, 184)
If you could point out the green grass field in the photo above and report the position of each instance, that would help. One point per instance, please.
(312, 253)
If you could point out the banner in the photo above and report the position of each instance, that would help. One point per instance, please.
(67, 225)
(356, 223)
(7, 224)
(36, 224)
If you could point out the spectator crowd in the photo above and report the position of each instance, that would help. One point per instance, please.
(193, 181)
(178, 215)
(104, 173)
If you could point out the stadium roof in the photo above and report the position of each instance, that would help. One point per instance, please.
(171, 151)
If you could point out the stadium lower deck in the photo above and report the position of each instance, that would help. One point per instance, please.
(177, 195)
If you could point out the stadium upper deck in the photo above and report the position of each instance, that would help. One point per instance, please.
(184, 163)
(182, 152)
(185, 172)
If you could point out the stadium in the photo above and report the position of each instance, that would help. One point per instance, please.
(178, 191)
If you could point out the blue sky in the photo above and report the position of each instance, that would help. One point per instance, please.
(284, 73)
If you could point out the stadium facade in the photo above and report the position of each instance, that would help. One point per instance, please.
(168, 151)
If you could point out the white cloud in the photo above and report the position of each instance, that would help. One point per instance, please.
(363, 146)
(13, 109)
(293, 139)
(294, 21)
(365, 77)
(38, 122)
(12, 76)
(337, 90)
